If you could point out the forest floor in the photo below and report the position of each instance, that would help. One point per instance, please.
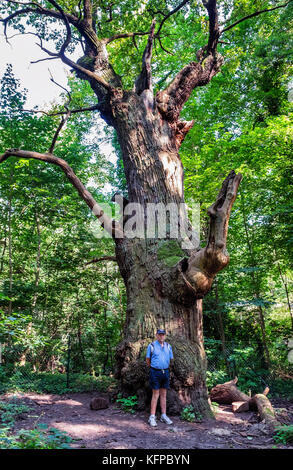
(113, 428)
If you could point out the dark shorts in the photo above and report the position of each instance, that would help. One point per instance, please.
(159, 379)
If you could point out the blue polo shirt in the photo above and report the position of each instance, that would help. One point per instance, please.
(160, 356)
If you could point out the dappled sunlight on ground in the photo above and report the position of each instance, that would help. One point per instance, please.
(111, 428)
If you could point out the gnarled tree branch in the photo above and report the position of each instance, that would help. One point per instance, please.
(202, 266)
(214, 33)
(171, 100)
(112, 227)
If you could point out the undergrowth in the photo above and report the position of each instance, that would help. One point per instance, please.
(46, 382)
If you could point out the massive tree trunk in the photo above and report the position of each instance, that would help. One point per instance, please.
(153, 303)
(165, 281)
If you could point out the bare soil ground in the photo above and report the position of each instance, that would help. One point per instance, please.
(112, 428)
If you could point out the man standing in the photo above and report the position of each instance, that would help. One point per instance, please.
(158, 357)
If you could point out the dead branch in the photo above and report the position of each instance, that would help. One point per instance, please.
(204, 264)
(219, 213)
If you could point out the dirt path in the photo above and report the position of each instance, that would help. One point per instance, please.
(114, 429)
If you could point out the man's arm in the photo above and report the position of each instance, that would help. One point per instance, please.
(171, 358)
(148, 356)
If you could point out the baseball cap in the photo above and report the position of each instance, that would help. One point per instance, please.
(161, 332)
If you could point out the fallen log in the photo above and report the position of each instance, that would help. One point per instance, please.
(228, 394)
(240, 406)
(265, 410)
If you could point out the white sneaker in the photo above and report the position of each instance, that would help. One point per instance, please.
(166, 420)
(152, 421)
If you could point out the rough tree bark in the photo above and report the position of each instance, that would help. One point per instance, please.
(165, 283)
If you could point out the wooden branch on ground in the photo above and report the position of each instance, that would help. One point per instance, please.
(229, 394)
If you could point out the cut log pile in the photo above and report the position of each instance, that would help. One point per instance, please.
(229, 394)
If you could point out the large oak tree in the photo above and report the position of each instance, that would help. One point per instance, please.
(165, 281)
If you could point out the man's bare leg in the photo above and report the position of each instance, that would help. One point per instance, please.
(154, 401)
(163, 399)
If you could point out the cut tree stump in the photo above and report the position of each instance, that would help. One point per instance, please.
(228, 394)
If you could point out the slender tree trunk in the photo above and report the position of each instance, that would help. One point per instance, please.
(256, 289)
(220, 320)
(23, 357)
(284, 282)
(38, 258)
(4, 247)
(10, 254)
(79, 334)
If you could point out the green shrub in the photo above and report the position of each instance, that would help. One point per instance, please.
(39, 438)
(284, 434)
(127, 404)
(189, 414)
(10, 411)
(216, 377)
